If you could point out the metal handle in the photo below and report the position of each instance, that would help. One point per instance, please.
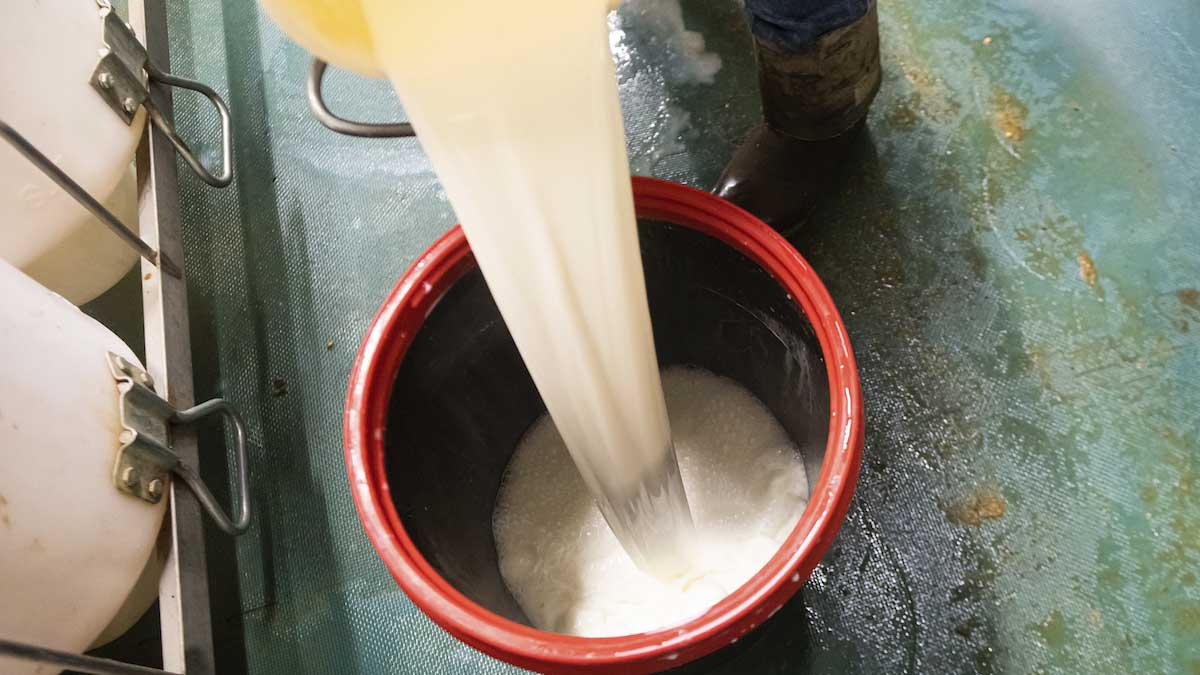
(193, 480)
(122, 77)
(160, 121)
(316, 102)
(88, 202)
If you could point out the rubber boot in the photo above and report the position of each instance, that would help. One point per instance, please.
(814, 103)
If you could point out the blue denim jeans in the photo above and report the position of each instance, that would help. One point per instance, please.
(793, 25)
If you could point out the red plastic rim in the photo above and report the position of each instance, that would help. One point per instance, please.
(372, 378)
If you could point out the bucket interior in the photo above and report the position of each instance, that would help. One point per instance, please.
(463, 399)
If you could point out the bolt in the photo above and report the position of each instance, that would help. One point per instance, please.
(154, 489)
(126, 436)
(129, 105)
(105, 80)
(129, 476)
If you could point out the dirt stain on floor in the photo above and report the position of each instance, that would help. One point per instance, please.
(984, 503)
(1087, 268)
(902, 116)
(1053, 629)
(1189, 297)
(1009, 115)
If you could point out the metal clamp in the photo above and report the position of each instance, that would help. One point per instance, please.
(122, 77)
(145, 463)
(330, 120)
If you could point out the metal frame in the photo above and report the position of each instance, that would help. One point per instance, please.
(184, 610)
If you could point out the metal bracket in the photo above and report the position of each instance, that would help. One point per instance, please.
(331, 121)
(123, 76)
(120, 75)
(145, 462)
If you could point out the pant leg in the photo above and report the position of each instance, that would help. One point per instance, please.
(793, 25)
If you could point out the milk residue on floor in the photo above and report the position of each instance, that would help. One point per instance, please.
(747, 487)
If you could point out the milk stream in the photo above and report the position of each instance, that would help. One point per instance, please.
(515, 103)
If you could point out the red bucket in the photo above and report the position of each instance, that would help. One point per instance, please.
(438, 398)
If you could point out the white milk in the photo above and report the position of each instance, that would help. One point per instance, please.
(515, 104)
(746, 484)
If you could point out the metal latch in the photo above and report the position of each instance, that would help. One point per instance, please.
(123, 76)
(145, 462)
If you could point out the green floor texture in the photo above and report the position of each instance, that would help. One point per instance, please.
(1016, 256)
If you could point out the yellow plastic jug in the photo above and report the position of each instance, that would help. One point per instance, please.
(335, 31)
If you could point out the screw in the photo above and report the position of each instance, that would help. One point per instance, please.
(154, 489)
(129, 476)
(129, 105)
(105, 80)
(126, 436)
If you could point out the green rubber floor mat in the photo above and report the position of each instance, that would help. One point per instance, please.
(1017, 256)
